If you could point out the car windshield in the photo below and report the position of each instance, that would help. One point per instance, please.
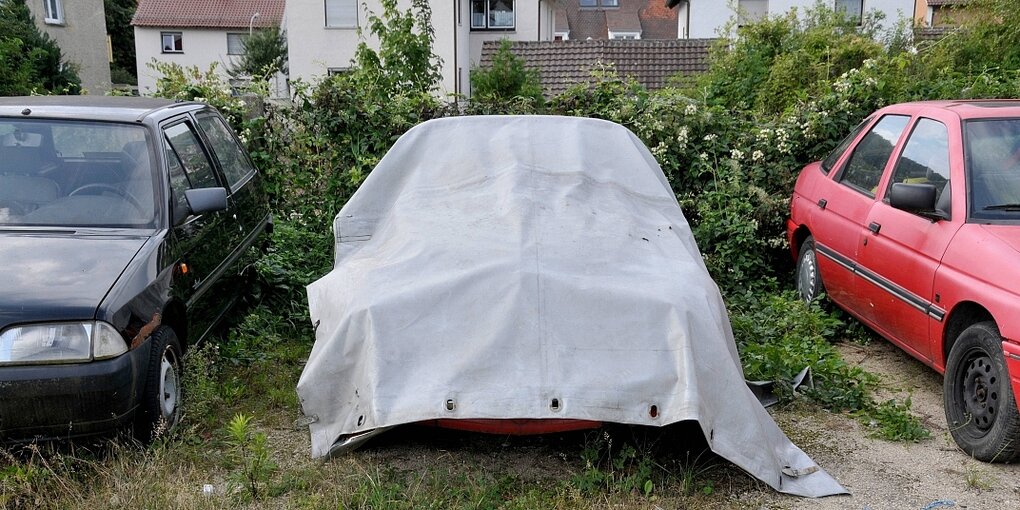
(64, 173)
(993, 168)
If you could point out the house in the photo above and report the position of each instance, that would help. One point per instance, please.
(323, 34)
(79, 28)
(936, 18)
(702, 19)
(581, 20)
(652, 62)
(197, 32)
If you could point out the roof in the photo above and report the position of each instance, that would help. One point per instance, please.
(923, 34)
(107, 108)
(565, 63)
(966, 108)
(651, 18)
(934, 3)
(208, 13)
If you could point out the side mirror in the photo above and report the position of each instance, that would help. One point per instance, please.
(203, 200)
(915, 198)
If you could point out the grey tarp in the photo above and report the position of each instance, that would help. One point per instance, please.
(503, 262)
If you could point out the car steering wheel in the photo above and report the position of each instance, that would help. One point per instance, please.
(100, 187)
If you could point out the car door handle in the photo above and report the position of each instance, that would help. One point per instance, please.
(874, 227)
(822, 203)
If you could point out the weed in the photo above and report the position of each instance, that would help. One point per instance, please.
(976, 478)
(893, 421)
(250, 456)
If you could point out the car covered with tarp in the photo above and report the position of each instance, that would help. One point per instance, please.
(526, 274)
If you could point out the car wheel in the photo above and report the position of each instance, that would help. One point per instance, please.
(980, 409)
(809, 281)
(160, 407)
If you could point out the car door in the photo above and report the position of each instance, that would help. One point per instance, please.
(902, 250)
(204, 241)
(843, 204)
(247, 199)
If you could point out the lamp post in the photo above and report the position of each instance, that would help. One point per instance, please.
(252, 21)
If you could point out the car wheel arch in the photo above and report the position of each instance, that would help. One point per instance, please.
(798, 238)
(175, 316)
(962, 316)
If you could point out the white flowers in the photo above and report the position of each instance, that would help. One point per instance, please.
(737, 154)
(757, 155)
(711, 137)
(682, 136)
(691, 109)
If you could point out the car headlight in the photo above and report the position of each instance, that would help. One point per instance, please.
(60, 342)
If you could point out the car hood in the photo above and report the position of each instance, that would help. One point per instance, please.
(1008, 234)
(59, 276)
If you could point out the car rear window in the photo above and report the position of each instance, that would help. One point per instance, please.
(67, 173)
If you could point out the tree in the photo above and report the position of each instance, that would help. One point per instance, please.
(124, 68)
(30, 61)
(265, 54)
(506, 78)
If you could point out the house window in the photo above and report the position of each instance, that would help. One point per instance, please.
(589, 3)
(624, 35)
(336, 71)
(852, 9)
(603, 3)
(173, 42)
(341, 13)
(54, 12)
(235, 44)
(492, 14)
(750, 11)
(610, 3)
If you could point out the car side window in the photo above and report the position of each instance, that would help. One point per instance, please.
(178, 180)
(925, 158)
(234, 163)
(864, 169)
(830, 161)
(185, 144)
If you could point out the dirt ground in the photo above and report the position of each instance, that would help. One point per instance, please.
(879, 474)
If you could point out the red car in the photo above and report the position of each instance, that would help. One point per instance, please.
(912, 225)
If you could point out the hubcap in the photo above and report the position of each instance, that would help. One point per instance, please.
(980, 391)
(168, 384)
(806, 276)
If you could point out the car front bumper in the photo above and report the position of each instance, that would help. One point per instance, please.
(70, 400)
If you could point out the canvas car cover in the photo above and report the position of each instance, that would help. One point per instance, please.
(498, 263)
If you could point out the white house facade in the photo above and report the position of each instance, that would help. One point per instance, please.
(324, 34)
(197, 33)
(706, 19)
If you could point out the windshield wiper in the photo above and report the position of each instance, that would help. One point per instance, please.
(1002, 207)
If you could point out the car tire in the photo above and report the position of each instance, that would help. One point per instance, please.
(809, 280)
(160, 407)
(980, 408)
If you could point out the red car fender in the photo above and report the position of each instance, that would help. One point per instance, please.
(1011, 352)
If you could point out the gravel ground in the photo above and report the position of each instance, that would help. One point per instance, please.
(884, 475)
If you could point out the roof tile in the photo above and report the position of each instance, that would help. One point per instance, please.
(208, 13)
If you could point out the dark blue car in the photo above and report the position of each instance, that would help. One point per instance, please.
(123, 228)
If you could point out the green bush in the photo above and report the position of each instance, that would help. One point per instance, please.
(30, 61)
(505, 79)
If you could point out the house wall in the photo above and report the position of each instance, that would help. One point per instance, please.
(82, 40)
(314, 49)
(202, 47)
(708, 18)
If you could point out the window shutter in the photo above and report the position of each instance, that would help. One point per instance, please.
(341, 13)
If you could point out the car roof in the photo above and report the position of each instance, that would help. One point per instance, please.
(967, 108)
(103, 108)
